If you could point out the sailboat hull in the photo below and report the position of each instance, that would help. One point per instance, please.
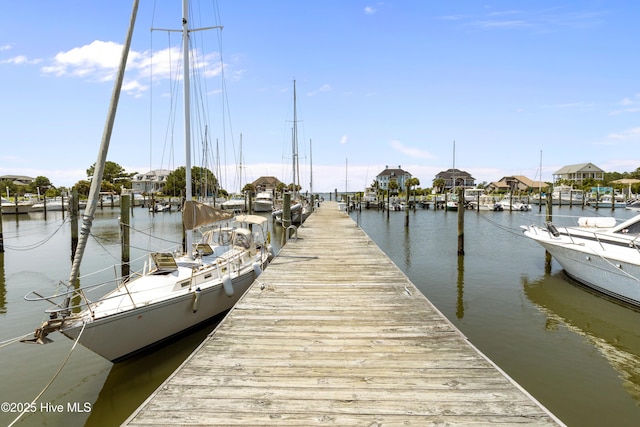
(135, 330)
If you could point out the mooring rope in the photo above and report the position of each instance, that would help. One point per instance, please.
(12, 340)
(33, 402)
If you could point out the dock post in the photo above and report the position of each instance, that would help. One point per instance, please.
(73, 211)
(1, 235)
(125, 201)
(460, 221)
(406, 209)
(548, 218)
(286, 216)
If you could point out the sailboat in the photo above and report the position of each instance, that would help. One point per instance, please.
(299, 212)
(175, 291)
(452, 203)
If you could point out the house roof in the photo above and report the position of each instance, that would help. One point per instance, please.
(17, 179)
(580, 167)
(450, 173)
(266, 181)
(529, 182)
(393, 172)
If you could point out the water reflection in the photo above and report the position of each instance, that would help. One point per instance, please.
(609, 327)
(130, 382)
(460, 293)
(3, 286)
(408, 249)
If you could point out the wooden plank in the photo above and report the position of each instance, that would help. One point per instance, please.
(333, 332)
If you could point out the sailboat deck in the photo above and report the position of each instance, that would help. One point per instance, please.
(334, 333)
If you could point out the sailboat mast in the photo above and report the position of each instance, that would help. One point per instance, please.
(294, 144)
(310, 168)
(96, 181)
(187, 114)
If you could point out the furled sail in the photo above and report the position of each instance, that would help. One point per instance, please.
(196, 214)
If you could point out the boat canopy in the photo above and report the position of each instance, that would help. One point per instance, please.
(196, 214)
(251, 219)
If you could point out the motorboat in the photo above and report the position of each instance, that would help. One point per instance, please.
(22, 207)
(598, 252)
(263, 202)
(235, 203)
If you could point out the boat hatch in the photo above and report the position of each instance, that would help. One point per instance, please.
(204, 249)
(165, 263)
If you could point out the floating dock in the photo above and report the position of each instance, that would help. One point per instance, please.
(333, 333)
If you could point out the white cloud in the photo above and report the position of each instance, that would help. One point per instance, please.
(19, 60)
(5, 47)
(343, 140)
(323, 88)
(629, 106)
(370, 10)
(410, 151)
(99, 60)
(633, 133)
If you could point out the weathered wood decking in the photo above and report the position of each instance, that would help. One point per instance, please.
(333, 333)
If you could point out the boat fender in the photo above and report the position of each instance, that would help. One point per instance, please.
(196, 299)
(272, 252)
(257, 268)
(227, 285)
(552, 229)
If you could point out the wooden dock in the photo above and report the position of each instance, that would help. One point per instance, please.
(333, 333)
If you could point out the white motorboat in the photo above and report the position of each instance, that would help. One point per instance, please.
(597, 253)
(235, 203)
(175, 291)
(9, 207)
(263, 202)
(609, 201)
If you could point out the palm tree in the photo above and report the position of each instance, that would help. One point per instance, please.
(439, 184)
(412, 182)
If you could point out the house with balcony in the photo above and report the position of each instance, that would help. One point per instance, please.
(455, 178)
(150, 182)
(579, 173)
(388, 175)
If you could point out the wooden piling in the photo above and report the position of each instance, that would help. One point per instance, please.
(74, 208)
(1, 235)
(461, 221)
(125, 223)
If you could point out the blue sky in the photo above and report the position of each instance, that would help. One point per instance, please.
(378, 83)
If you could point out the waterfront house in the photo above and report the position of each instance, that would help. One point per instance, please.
(578, 173)
(150, 182)
(392, 174)
(18, 179)
(456, 178)
(515, 184)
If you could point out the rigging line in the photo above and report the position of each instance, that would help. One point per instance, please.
(13, 340)
(502, 227)
(37, 244)
(33, 402)
(148, 234)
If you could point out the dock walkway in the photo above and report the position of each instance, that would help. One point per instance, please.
(333, 333)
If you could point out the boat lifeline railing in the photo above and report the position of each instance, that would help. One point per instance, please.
(64, 308)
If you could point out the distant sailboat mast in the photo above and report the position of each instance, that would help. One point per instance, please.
(294, 145)
(310, 168)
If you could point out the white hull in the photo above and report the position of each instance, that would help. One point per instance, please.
(133, 330)
(262, 206)
(607, 275)
(605, 260)
(10, 207)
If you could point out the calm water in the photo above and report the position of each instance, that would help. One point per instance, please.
(576, 352)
